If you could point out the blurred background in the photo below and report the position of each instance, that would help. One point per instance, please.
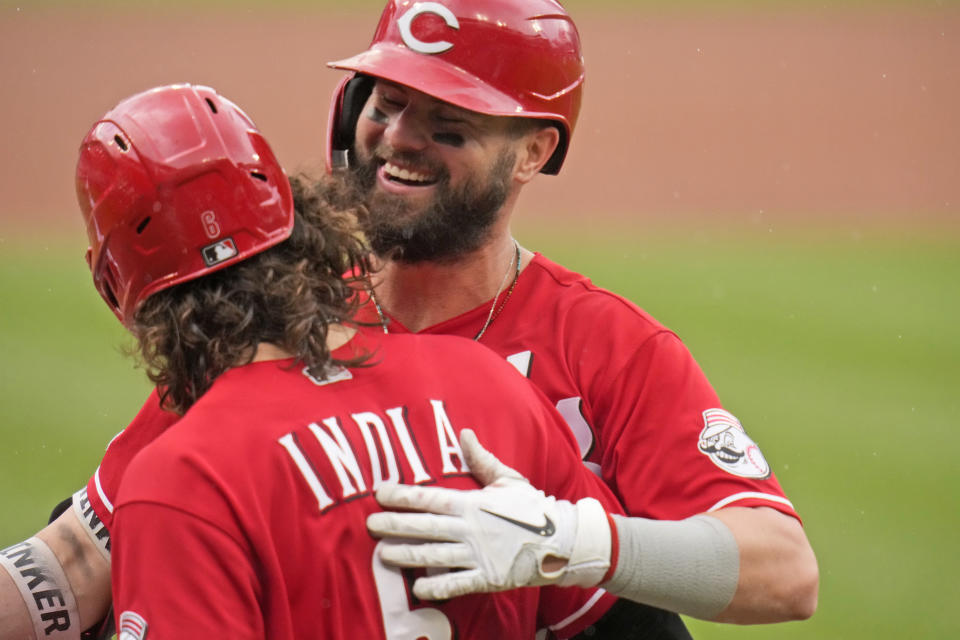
(778, 181)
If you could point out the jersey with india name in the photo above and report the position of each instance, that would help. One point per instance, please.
(644, 414)
(246, 518)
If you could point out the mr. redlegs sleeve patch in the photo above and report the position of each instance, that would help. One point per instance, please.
(725, 442)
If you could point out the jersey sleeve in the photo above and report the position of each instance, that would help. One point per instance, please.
(179, 576)
(671, 449)
(150, 422)
(181, 562)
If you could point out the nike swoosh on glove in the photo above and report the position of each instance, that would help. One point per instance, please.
(498, 538)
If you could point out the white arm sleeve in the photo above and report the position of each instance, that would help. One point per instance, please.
(45, 589)
(687, 566)
(92, 525)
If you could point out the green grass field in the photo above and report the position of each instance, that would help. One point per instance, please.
(65, 388)
(837, 348)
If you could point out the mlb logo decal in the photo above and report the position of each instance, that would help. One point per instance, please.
(219, 252)
(132, 626)
(725, 442)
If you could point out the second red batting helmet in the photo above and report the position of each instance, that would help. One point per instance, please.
(518, 58)
(175, 183)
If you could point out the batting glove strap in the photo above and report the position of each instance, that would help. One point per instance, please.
(589, 558)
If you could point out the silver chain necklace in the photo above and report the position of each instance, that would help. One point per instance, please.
(494, 310)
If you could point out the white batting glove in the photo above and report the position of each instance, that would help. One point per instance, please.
(499, 536)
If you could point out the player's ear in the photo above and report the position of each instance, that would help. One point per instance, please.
(535, 149)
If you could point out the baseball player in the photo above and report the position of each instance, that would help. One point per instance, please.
(443, 133)
(246, 518)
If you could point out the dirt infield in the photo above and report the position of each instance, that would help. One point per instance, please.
(770, 114)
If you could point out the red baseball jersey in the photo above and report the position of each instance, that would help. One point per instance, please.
(644, 414)
(246, 518)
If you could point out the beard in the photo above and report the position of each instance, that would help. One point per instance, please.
(457, 222)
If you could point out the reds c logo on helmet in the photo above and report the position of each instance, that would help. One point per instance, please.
(174, 183)
(406, 32)
(455, 50)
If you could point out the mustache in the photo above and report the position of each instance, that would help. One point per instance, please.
(411, 159)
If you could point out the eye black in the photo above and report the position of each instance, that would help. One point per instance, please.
(449, 139)
(376, 115)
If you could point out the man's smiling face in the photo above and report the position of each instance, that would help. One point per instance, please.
(435, 175)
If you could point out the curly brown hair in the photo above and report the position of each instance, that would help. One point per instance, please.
(287, 295)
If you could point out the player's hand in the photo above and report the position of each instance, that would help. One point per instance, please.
(503, 536)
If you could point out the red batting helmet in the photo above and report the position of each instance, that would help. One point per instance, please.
(518, 58)
(174, 183)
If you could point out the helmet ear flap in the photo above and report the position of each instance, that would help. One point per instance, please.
(348, 106)
(552, 167)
